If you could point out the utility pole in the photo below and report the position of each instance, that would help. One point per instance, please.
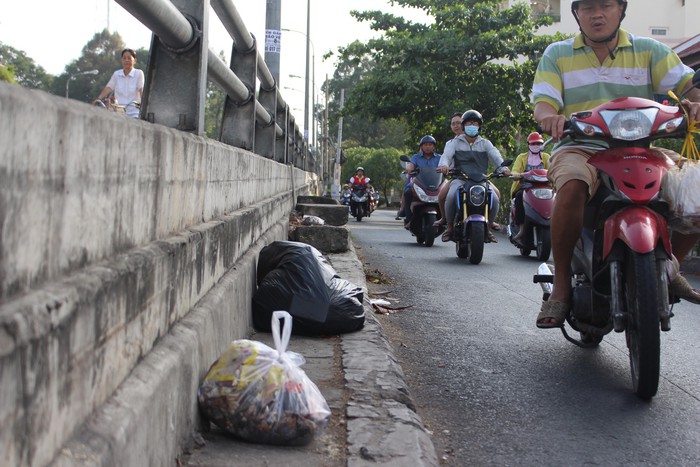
(336, 176)
(306, 72)
(273, 37)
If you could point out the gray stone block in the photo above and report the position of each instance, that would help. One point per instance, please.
(331, 214)
(325, 238)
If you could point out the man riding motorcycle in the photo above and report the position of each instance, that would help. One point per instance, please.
(567, 81)
(470, 153)
(426, 158)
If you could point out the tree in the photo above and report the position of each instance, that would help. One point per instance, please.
(22, 69)
(475, 54)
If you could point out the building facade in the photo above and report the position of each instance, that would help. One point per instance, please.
(669, 21)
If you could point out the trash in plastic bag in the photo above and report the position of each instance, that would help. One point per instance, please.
(312, 220)
(261, 394)
(681, 188)
(296, 277)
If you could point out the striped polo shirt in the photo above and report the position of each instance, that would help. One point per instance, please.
(571, 78)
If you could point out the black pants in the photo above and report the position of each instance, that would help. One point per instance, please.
(519, 207)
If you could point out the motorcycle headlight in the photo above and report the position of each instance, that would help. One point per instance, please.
(477, 195)
(629, 125)
(423, 196)
(543, 193)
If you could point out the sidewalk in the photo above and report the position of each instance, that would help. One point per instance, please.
(373, 420)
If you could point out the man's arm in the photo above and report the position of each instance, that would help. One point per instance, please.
(551, 121)
(692, 102)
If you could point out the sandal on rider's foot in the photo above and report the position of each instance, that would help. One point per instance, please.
(681, 288)
(491, 238)
(552, 310)
(439, 223)
(447, 236)
(495, 226)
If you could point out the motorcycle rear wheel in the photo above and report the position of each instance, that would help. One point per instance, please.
(477, 237)
(642, 333)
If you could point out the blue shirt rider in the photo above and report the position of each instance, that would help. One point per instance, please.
(426, 158)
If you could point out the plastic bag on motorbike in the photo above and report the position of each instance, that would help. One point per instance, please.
(296, 277)
(261, 394)
(680, 190)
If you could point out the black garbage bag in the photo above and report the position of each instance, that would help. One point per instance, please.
(295, 277)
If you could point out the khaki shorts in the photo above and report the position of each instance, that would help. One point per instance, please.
(572, 164)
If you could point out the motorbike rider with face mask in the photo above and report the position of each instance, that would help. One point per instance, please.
(534, 158)
(469, 153)
(568, 80)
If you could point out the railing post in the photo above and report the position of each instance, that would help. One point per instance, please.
(175, 91)
(238, 120)
(281, 146)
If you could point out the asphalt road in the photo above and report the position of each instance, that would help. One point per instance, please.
(495, 390)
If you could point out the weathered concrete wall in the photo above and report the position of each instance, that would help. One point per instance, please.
(112, 232)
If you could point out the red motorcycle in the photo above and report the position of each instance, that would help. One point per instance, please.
(618, 269)
(538, 201)
(425, 186)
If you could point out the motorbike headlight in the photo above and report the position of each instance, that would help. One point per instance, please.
(543, 193)
(477, 195)
(629, 125)
(423, 196)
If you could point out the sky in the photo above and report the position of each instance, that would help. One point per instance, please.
(54, 35)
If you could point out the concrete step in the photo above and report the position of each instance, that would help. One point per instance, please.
(311, 199)
(325, 238)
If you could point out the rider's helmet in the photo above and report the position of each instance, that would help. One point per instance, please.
(359, 169)
(472, 115)
(427, 139)
(534, 137)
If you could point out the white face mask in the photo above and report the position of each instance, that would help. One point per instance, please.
(535, 149)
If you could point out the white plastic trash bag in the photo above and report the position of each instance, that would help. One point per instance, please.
(261, 394)
(681, 188)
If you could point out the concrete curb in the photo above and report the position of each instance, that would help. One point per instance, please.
(383, 426)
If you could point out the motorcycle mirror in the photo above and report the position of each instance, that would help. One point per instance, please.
(405, 158)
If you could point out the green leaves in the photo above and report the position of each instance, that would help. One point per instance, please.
(468, 54)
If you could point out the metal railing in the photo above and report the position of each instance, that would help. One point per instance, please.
(255, 115)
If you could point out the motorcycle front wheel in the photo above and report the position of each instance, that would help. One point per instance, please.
(477, 237)
(429, 228)
(543, 243)
(642, 332)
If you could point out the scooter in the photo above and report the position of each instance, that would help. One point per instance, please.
(538, 201)
(425, 186)
(359, 202)
(470, 231)
(620, 261)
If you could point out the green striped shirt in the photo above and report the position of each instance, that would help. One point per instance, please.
(571, 79)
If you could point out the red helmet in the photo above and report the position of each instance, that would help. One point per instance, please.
(534, 137)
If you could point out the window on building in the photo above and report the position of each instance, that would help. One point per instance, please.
(659, 31)
(550, 8)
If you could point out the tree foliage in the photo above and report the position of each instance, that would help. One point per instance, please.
(16, 67)
(474, 54)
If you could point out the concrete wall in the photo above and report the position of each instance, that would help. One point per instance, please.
(113, 235)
